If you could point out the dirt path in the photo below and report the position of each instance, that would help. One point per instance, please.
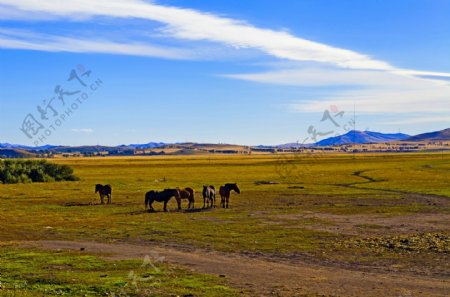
(430, 199)
(266, 278)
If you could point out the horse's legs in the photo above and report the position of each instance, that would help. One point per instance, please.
(109, 198)
(101, 199)
(227, 200)
(179, 204)
(165, 206)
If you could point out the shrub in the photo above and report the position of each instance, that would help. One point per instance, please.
(26, 171)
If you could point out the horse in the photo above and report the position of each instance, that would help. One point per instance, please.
(162, 196)
(224, 192)
(187, 193)
(209, 192)
(104, 190)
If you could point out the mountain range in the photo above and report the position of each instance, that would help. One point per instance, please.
(354, 136)
(360, 137)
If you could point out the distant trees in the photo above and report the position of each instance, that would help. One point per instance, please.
(27, 171)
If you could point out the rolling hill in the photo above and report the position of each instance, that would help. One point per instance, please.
(15, 153)
(437, 135)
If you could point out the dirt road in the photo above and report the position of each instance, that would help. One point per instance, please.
(267, 278)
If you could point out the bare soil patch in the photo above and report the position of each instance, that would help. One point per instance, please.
(262, 277)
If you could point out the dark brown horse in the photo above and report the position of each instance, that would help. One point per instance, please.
(104, 190)
(162, 196)
(224, 192)
(187, 193)
(209, 196)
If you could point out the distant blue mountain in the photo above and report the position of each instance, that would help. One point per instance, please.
(294, 145)
(51, 147)
(437, 135)
(28, 148)
(359, 137)
(146, 145)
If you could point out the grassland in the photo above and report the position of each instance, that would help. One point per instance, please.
(339, 211)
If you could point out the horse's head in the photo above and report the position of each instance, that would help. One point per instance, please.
(236, 188)
(176, 193)
(173, 192)
(98, 187)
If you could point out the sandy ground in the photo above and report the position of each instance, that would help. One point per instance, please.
(261, 277)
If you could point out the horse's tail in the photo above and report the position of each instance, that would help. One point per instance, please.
(191, 193)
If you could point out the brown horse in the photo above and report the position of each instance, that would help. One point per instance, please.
(187, 193)
(224, 192)
(162, 196)
(104, 190)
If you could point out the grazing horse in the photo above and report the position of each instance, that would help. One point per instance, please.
(224, 192)
(104, 190)
(187, 193)
(209, 196)
(162, 196)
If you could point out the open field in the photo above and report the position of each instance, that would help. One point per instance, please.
(304, 225)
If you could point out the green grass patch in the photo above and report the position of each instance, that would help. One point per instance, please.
(35, 273)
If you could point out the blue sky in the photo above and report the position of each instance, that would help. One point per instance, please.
(248, 72)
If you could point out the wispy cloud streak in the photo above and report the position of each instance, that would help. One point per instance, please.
(13, 39)
(82, 130)
(196, 25)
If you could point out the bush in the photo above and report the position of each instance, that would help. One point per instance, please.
(19, 171)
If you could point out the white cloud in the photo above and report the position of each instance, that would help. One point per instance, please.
(369, 91)
(428, 99)
(196, 25)
(13, 39)
(82, 130)
(333, 76)
(383, 87)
